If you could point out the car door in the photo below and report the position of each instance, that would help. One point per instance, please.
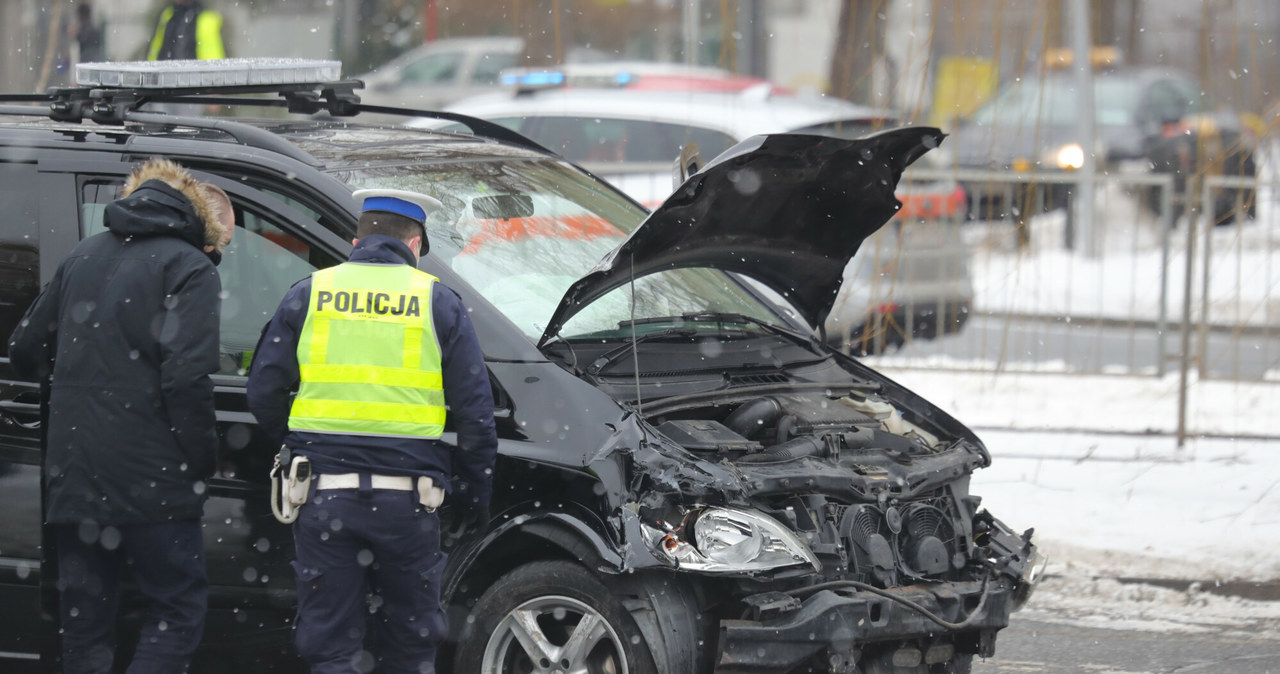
(248, 552)
(24, 199)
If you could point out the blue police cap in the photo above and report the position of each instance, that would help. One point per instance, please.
(402, 202)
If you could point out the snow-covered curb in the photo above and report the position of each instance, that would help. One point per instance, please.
(985, 398)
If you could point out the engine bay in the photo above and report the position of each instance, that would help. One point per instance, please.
(876, 497)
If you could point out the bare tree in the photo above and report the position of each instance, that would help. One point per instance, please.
(859, 47)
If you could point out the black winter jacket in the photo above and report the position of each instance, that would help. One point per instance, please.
(129, 328)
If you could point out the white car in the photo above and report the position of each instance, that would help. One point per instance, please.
(903, 278)
(440, 72)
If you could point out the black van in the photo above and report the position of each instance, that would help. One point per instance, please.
(689, 480)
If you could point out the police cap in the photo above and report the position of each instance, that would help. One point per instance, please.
(401, 202)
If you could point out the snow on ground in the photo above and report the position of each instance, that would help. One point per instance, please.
(979, 394)
(1104, 603)
(1108, 505)
(1122, 504)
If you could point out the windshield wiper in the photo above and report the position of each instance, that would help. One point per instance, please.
(611, 356)
(727, 317)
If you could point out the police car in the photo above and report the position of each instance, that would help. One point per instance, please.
(689, 479)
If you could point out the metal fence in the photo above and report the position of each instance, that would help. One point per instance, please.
(1167, 281)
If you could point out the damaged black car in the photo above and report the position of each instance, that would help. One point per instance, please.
(746, 499)
(689, 480)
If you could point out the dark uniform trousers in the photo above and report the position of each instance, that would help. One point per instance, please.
(167, 563)
(352, 542)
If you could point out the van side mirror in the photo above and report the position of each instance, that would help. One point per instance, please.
(687, 164)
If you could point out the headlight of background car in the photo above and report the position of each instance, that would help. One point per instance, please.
(1069, 157)
(730, 540)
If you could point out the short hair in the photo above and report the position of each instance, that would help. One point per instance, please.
(220, 198)
(391, 224)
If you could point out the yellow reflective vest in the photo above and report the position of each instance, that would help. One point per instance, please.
(368, 358)
(208, 35)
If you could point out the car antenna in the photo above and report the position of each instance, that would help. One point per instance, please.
(635, 355)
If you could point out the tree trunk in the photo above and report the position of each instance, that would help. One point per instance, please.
(859, 47)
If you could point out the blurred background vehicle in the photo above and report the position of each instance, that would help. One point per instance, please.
(440, 72)
(1146, 119)
(642, 75)
(910, 280)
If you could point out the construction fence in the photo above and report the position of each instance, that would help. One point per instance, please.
(1166, 282)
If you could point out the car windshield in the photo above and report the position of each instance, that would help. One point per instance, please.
(1051, 102)
(521, 232)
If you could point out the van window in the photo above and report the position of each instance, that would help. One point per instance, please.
(19, 256)
(596, 139)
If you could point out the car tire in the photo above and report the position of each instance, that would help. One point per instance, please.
(551, 602)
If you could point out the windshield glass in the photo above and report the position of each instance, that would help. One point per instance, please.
(1051, 102)
(522, 231)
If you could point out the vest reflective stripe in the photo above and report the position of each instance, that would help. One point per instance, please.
(394, 419)
(382, 376)
(368, 357)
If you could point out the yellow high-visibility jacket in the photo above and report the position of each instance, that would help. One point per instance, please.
(368, 358)
(208, 35)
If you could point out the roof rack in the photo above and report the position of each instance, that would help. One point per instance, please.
(113, 93)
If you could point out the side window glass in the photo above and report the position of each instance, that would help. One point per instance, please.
(258, 268)
(565, 135)
(619, 140)
(1191, 97)
(710, 142)
(514, 123)
(434, 69)
(490, 65)
(1166, 103)
(19, 256)
(96, 196)
(587, 139)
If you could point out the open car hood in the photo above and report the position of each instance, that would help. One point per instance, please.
(788, 210)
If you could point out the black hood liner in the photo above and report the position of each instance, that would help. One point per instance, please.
(789, 210)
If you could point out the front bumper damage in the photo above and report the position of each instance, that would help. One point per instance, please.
(838, 626)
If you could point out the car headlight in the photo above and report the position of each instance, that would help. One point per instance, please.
(732, 540)
(1029, 580)
(1070, 157)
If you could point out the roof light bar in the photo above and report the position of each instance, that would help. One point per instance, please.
(538, 79)
(210, 73)
(526, 80)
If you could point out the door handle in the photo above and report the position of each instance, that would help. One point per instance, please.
(25, 415)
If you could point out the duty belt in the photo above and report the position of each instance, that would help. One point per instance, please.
(429, 495)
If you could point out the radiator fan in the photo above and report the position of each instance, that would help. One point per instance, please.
(866, 534)
(925, 541)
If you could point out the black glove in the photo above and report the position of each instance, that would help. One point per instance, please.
(466, 522)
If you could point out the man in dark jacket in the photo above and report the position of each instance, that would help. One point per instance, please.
(376, 349)
(128, 329)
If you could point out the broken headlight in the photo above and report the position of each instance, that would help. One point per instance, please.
(1029, 579)
(730, 540)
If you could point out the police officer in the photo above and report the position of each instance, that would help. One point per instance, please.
(378, 352)
(187, 30)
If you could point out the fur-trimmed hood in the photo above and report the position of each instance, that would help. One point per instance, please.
(161, 198)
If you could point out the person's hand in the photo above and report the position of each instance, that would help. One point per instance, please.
(466, 522)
